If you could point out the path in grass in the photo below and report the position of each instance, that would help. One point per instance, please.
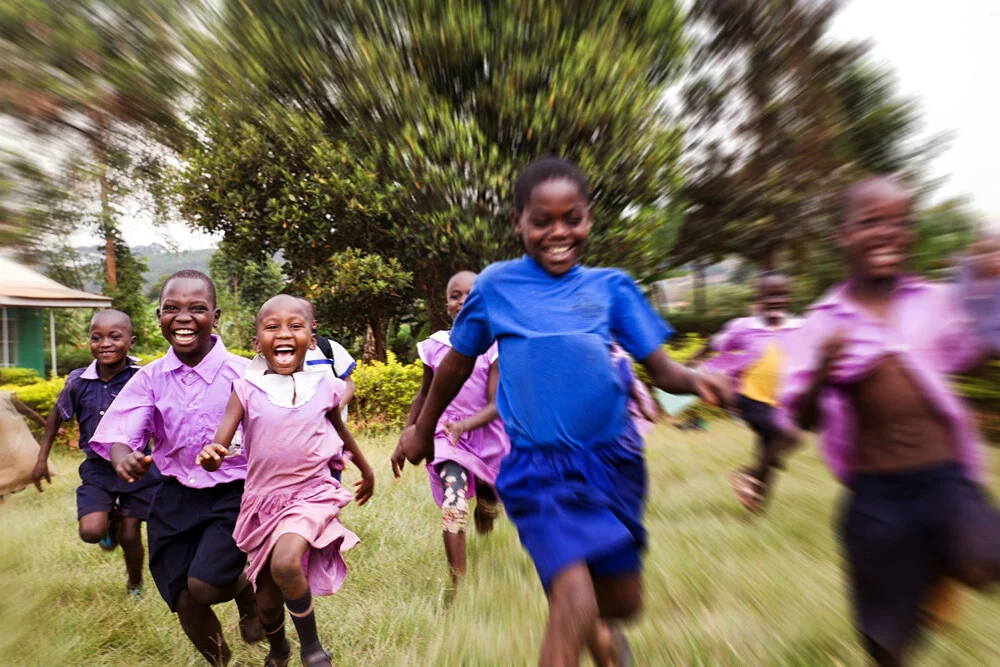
(721, 589)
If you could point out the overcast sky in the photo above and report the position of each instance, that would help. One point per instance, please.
(945, 54)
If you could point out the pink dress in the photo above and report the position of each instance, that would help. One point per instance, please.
(479, 451)
(290, 489)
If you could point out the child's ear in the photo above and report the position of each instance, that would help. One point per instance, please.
(131, 343)
(312, 342)
(515, 217)
(256, 345)
(215, 317)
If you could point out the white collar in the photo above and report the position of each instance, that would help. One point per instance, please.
(443, 337)
(286, 391)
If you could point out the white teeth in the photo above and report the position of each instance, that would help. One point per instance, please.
(184, 332)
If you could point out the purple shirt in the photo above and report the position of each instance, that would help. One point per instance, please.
(181, 408)
(87, 398)
(928, 333)
(743, 341)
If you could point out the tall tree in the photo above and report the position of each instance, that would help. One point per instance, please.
(781, 119)
(91, 74)
(397, 129)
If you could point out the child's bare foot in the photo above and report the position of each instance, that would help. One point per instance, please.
(485, 514)
(251, 629)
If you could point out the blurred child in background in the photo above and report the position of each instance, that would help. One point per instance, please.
(18, 449)
(753, 350)
(469, 441)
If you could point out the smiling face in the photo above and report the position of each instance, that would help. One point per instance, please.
(111, 338)
(284, 334)
(553, 225)
(187, 315)
(876, 231)
(773, 299)
(458, 288)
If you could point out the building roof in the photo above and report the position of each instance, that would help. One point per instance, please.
(21, 286)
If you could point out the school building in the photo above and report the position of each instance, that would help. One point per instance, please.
(27, 298)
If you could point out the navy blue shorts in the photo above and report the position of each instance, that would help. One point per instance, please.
(191, 535)
(100, 488)
(759, 417)
(902, 532)
(578, 507)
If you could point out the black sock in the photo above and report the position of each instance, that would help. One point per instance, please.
(301, 610)
(275, 631)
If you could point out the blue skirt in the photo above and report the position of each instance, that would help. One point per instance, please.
(578, 506)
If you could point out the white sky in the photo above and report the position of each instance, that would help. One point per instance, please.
(945, 55)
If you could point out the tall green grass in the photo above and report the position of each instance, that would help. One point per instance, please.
(721, 589)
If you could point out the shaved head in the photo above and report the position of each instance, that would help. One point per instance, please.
(872, 188)
(111, 317)
(469, 276)
(287, 302)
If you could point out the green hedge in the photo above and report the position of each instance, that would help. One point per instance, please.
(705, 326)
(384, 393)
(19, 377)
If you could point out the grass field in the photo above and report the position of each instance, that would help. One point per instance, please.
(720, 589)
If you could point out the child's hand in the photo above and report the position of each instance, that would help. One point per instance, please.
(398, 460)
(830, 352)
(714, 389)
(134, 466)
(455, 430)
(210, 458)
(416, 446)
(40, 472)
(364, 487)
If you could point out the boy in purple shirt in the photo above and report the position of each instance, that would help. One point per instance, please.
(108, 509)
(179, 401)
(871, 366)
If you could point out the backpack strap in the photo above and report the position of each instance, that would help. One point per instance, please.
(323, 343)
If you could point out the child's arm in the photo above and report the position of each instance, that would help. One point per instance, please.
(705, 350)
(210, 458)
(41, 469)
(674, 378)
(483, 417)
(348, 392)
(806, 409)
(365, 486)
(417, 441)
(397, 458)
(27, 412)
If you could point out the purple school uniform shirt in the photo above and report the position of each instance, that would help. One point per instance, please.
(743, 341)
(926, 329)
(180, 407)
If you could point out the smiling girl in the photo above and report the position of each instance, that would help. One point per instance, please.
(293, 437)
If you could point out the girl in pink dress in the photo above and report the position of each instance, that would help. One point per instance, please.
(470, 440)
(294, 438)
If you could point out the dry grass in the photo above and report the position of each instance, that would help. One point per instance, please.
(721, 589)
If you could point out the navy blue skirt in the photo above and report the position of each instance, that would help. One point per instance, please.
(578, 506)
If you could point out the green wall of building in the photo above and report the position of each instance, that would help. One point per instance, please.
(31, 338)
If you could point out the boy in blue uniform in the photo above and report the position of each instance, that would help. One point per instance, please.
(574, 483)
(109, 509)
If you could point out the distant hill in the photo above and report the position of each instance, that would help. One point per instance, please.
(160, 260)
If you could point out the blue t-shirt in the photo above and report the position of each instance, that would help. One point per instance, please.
(558, 388)
(87, 397)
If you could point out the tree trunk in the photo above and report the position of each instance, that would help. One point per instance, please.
(107, 225)
(236, 312)
(698, 278)
(375, 343)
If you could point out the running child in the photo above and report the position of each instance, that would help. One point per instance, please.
(752, 350)
(293, 436)
(871, 366)
(109, 510)
(179, 400)
(574, 482)
(469, 440)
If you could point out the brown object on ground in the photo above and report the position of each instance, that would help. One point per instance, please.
(18, 449)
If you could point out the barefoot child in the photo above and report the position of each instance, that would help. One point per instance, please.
(108, 509)
(574, 482)
(753, 352)
(179, 400)
(469, 441)
(871, 366)
(293, 434)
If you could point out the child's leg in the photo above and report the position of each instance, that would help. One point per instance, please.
(487, 507)
(286, 569)
(573, 617)
(93, 527)
(130, 537)
(271, 607)
(202, 627)
(455, 515)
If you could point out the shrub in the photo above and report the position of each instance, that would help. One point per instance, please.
(19, 377)
(68, 358)
(40, 396)
(702, 325)
(384, 393)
